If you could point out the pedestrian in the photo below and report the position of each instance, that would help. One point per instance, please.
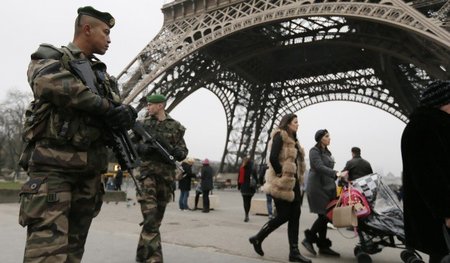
(247, 183)
(283, 179)
(262, 181)
(66, 133)
(198, 192)
(207, 174)
(157, 173)
(321, 189)
(357, 167)
(118, 179)
(184, 183)
(110, 186)
(425, 149)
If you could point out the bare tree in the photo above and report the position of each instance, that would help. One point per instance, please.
(12, 114)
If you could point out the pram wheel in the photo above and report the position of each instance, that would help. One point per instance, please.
(409, 256)
(361, 256)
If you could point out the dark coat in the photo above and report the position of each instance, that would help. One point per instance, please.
(321, 188)
(118, 179)
(426, 179)
(185, 183)
(245, 188)
(357, 167)
(207, 178)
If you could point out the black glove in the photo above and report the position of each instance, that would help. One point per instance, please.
(123, 116)
(178, 154)
(145, 148)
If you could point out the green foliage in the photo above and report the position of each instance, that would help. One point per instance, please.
(10, 185)
(12, 112)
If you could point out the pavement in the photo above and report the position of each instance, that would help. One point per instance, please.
(188, 236)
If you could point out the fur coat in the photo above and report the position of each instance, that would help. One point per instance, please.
(292, 168)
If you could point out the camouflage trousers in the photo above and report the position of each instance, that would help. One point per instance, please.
(156, 193)
(58, 210)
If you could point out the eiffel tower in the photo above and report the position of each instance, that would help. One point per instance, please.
(265, 58)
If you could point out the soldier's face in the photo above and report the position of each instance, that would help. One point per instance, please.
(154, 108)
(100, 38)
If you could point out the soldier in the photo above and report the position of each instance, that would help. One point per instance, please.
(157, 175)
(66, 137)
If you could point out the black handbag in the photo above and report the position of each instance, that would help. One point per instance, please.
(446, 259)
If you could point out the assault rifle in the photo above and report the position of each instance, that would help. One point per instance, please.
(126, 154)
(148, 138)
(121, 144)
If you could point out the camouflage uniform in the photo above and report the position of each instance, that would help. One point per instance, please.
(157, 176)
(66, 155)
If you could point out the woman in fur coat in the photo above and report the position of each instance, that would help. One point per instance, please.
(283, 179)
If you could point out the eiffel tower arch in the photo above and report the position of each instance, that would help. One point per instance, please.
(264, 58)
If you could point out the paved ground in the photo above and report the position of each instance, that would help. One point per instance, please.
(188, 236)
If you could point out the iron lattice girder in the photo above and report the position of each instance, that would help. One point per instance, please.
(189, 31)
(281, 50)
(331, 50)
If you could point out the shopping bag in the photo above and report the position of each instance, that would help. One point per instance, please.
(344, 216)
(342, 211)
(353, 197)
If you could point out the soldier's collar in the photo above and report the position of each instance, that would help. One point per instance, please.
(76, 51)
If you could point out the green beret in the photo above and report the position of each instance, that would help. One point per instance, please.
(156, 98)
(103, 16)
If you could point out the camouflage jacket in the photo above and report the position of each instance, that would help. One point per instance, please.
(63, 126)
(172, 132)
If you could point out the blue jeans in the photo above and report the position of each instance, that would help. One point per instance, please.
(269, 204)
(183, 201)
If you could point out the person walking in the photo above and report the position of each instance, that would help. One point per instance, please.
(425, 147)
(321, 189)
(118, 179)
(184, 183)
(66, 131)
(198, 193)
(157, 174)
(357, 167)
(247, 183)
(283, 179)
(206, 184)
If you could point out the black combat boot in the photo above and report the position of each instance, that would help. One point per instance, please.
(308, 242)
(325, 248)
(295, 256)
(257, 239)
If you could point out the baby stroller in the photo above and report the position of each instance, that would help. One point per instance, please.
(384, 226)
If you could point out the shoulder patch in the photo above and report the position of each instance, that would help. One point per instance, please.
(47, 51)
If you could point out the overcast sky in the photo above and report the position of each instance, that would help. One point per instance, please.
(25, 24)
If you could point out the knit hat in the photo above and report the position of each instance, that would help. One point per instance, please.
(320, 134)
(105, 17)
(436, 94)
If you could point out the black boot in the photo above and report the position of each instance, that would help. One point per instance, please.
(325, 248)
(295, 256)
(310, 239)
(257, 239)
